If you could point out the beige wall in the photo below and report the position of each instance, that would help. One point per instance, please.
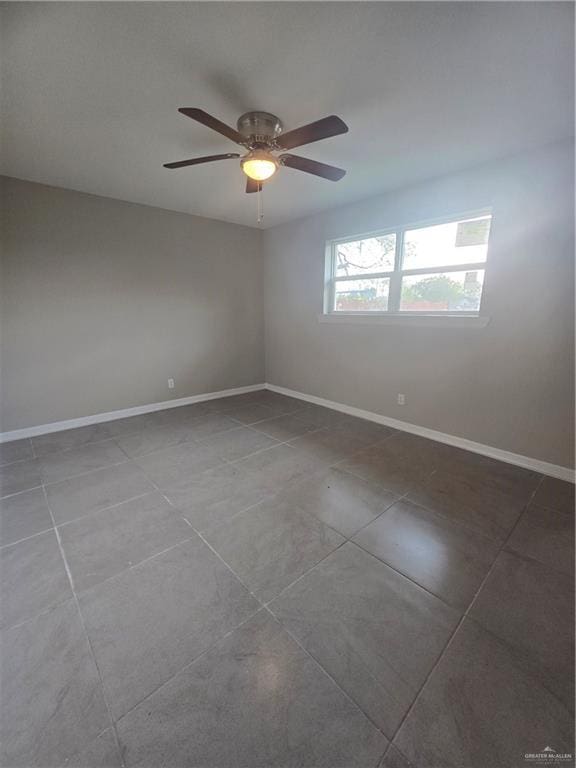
(103, 301)
(509, 385)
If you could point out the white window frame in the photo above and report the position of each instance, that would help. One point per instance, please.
(395, 276)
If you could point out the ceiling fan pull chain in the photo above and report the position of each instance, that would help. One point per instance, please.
(260, 204)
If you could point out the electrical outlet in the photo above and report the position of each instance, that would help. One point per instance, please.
(401, 399)
(170, 383)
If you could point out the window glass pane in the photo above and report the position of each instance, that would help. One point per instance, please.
(444, 245)
(442, 292)
(361, 295)
(374, 254)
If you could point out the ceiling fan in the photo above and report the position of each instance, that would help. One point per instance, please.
(262, 135)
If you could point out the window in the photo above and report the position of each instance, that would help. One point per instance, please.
(428, 269)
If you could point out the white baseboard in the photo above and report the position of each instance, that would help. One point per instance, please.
(545, 468)
(97, 418)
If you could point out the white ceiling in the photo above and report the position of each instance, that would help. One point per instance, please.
(91, 92)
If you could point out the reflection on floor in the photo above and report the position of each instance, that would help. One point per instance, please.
(257, 581)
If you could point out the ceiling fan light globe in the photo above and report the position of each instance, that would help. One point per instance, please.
(259, 166)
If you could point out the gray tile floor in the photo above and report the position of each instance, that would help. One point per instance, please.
(257, 581)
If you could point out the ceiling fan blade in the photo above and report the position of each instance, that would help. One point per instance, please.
(321, 129)
(252, 185)
(199, 160)
(312, 166)
(212, 122)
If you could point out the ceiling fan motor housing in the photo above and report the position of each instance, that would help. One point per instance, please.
(259, 128)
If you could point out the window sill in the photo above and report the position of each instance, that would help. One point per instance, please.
(416, 321)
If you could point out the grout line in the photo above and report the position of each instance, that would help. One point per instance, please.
(68, 760)
(103, 509)
(232, 571)
(329, 676)
(38, 615)
(18, 461)
(83, 517)
(43, 483)
(82, 474)
(298, 481)
(191, 663)
(87, 444)
(229, 519)
(197, 441)
(86, 635)
(262, 605)
(462, 618)
(17, 493)
(306, 573)
(455, 608)
(134, 566)
(26, 538)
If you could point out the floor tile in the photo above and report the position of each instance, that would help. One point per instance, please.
(101, 545)
(546, 535)
(280, 465)
(211, 424)
(448, 560)
(33, 578)
(341, 500)
(216, 495)
(374, 631)
(505, 478)
(531, 607)
(61, 466)
(189, 422)
(94, 491)
(395, 759)
(272, 544)
(556, 494)
(15, 450)
(470, 502)
(285, 427)
(151, 620)
(103, 752)
(420, 451)
(132, 424)
(233, 401)
(255, 700)
(238, 443)
(54, 442)
(178, 465)
(23, 515)
(322, 417)
(156, 438)
(362, 430)
(19, 476)
(193, 410)
(280, 403)
(250, 413)
(51, 695)
(382, 464)
(330, 445)
(480, 708)
(203, 677)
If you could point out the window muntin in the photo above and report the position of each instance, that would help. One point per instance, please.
(428, 269)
